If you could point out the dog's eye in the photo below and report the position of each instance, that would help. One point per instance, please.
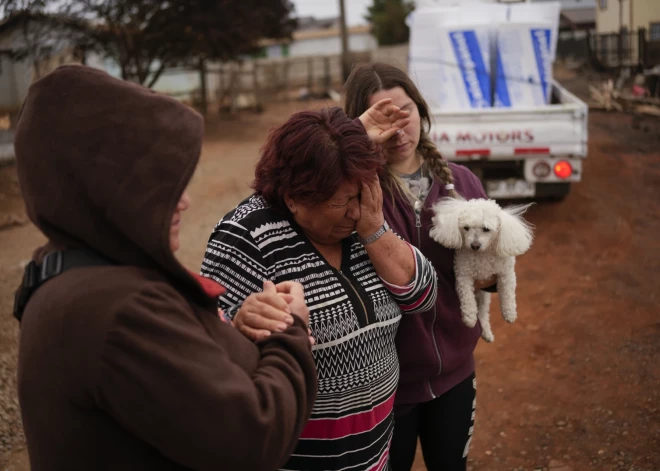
(486, 229)
(466, 228)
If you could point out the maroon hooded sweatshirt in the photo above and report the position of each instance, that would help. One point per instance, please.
(128, 366)
(435, 348)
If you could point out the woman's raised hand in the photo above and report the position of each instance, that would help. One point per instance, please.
(383, 120)
(371, 208)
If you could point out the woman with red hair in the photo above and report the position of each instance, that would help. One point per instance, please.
(316, 218)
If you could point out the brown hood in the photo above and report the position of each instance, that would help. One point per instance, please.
(102, 163)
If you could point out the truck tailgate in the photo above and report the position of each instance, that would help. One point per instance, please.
(510, 134)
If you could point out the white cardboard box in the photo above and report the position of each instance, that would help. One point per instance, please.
(451, 49)
(541, 12)
(453, 70)
(461, 50)
(523, 75)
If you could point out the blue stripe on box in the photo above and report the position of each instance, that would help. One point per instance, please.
(502, 98)
(541, 42)
(473, 69)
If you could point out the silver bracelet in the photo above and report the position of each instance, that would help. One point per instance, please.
(376, 235)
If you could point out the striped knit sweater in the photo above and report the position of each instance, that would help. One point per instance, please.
(353, 317)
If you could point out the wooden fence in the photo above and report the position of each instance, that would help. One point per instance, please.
(254, 83)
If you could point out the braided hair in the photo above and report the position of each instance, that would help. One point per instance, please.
(434, 161)
(368, 79)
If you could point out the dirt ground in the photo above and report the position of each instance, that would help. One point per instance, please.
(573, 385)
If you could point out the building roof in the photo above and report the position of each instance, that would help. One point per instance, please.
(576, 14)
(311, 22)
(328, 32)
(573, 4)
(580, 16)
(307, 34)
(577, 19)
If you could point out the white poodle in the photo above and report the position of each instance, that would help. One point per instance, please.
(487, 239)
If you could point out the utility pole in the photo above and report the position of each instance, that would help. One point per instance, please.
(620, 40)
(632, 24)
(345, 64)
(202, 86)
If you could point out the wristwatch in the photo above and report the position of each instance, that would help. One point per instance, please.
(376, 235)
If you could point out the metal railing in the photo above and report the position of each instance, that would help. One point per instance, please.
(625, 49)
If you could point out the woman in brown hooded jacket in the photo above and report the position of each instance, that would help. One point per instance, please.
(126, 365)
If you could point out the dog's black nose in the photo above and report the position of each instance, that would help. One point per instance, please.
(475, 245)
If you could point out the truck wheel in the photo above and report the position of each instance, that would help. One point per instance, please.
(552, 191)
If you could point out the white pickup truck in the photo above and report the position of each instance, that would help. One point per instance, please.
(518, 153)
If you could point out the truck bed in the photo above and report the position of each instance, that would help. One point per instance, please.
(558, 129)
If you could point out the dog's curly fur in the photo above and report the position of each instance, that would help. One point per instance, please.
(487, 238)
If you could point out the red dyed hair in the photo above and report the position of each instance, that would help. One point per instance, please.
(311, 155)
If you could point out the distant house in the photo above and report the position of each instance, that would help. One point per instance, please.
(629, 15)
(320, 37)
(638, 22)
(49, 49)
(52, 47)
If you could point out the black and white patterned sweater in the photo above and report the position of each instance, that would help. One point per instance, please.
(354, 316)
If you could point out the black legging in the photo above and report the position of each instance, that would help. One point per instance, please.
(444, 427)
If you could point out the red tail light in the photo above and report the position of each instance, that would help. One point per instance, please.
(563, 169)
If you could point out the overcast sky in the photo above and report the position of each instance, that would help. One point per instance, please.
(355, 9)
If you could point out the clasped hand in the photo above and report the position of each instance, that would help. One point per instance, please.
(272, 310)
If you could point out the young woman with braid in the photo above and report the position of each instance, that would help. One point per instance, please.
(435, 399)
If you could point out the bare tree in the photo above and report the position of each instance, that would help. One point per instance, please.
(40, 36)
(144, 37)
